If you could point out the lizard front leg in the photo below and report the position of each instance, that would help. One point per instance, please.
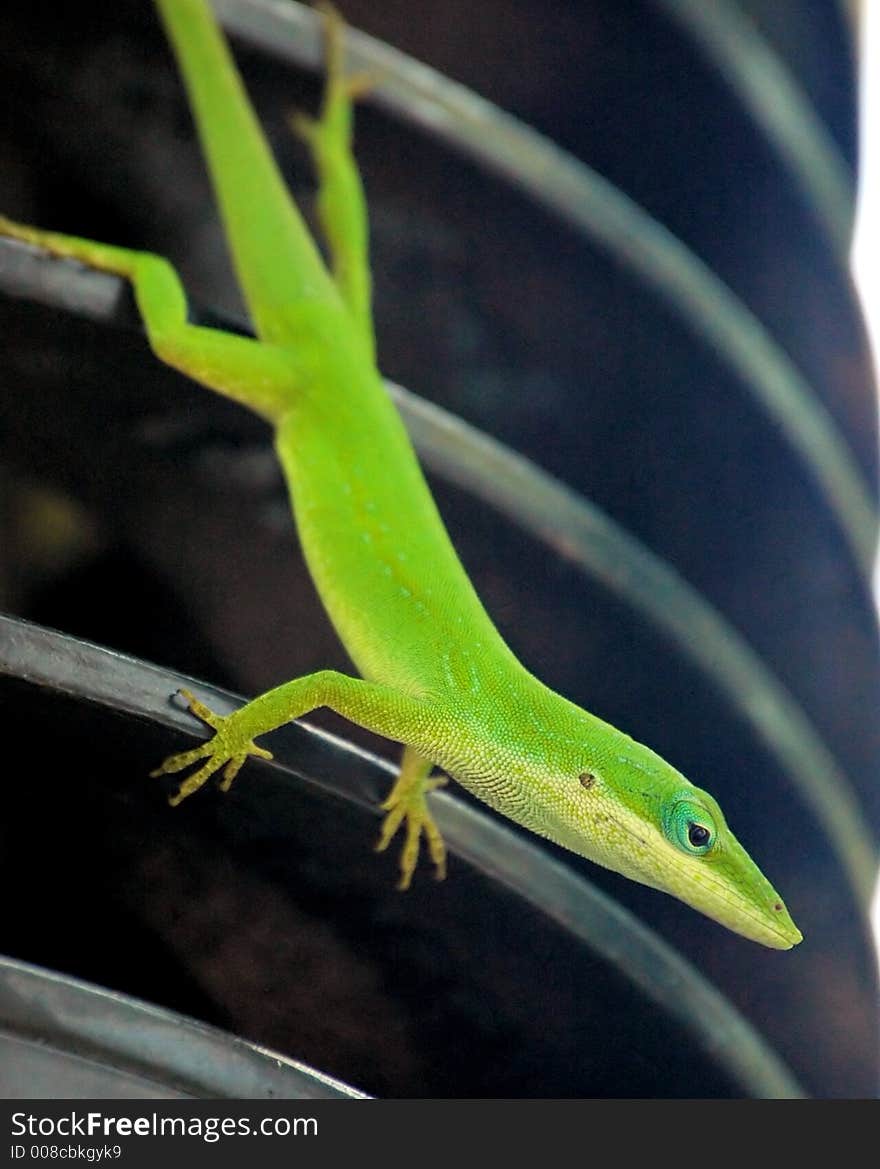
(377, 708)
(259, 375)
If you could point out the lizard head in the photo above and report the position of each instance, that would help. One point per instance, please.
(634, 813)
(592, 789)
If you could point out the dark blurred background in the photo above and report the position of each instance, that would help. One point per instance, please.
(140, 513)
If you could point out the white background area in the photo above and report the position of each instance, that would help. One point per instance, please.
(866, 246)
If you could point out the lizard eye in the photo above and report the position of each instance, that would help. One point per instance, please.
(690, 827)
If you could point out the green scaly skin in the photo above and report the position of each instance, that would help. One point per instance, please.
(435, 675)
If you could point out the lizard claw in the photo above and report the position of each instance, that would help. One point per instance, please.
(225, 750)
(407, 804)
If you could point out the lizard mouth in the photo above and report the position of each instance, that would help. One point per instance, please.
(783, 929)
(742, 912)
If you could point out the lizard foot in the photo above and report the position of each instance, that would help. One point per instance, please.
(407, 803)
(227, 749)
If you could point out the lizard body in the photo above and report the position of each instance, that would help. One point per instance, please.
(435, 674)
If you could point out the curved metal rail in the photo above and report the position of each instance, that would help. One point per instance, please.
(779, 106)
(58, 1033)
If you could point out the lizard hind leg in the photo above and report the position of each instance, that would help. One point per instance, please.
(407, 802)
(341, 204)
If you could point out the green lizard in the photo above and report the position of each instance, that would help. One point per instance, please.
(435, 674)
